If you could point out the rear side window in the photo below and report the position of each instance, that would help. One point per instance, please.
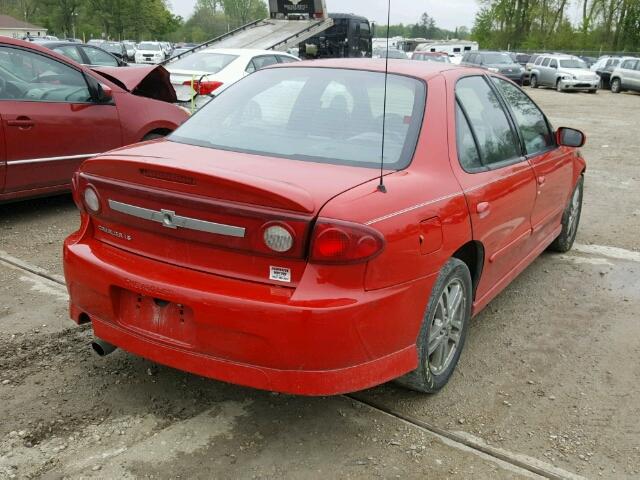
(265, 61)
(69, 51)
(488, 120)
(468, 154)
(532, 123)
(314, 114)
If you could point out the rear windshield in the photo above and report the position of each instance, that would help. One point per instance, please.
(572, 63)
(153, 47)
(314, 114)
(204, 62)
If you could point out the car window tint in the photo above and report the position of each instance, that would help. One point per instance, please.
(496, 139)
(264, 61)
(467, 149)
(323, 115)
(98, 57)
(28, 76)
(250, 67)
(532, 123)
(539, 60)
(554, 63)
(69, 51)
(545, 62)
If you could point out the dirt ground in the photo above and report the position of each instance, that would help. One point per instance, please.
(550, 373)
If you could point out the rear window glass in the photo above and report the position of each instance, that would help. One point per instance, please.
(314, 114)
(206, 62)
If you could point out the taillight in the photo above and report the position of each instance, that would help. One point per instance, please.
(204, 87)
(278, 237)
(336, 241)
(91, 200)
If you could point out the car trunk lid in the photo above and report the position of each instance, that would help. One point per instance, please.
(207, 209)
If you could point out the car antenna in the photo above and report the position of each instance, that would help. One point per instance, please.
(381, 186)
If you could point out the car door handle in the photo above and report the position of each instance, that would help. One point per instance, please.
(21, 122)
(483, 208)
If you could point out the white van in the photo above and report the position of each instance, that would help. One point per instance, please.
(454, 48)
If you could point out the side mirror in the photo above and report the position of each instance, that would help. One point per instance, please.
(570, 137)
(104, 94)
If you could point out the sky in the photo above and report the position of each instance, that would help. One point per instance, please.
(447, 13)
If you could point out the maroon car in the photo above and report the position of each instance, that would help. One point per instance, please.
(55, 113)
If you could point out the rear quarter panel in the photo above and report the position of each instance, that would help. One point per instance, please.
(423, 200)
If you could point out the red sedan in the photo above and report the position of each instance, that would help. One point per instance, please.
(256, 244)
(55, 113)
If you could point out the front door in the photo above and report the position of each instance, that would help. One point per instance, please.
(50, 122)
(498, 182)
(553, 166)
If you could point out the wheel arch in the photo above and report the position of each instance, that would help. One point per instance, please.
(157, 131)
(472, 254)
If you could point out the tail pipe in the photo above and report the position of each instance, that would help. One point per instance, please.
(102, 348)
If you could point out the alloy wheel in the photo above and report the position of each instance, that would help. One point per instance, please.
(572, 223)
(446, 327)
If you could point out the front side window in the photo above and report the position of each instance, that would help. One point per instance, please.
(98, 57)
(553, 64)
(28, 76)
(532, 123)
(545, 62)
(314, 114)
(496, 139)
(538, 61)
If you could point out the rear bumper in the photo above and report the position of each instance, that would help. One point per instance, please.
(317, 342)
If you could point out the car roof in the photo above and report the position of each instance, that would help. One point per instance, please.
(423, 70)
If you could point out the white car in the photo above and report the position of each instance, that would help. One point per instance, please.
(213, 70)
(150, 52)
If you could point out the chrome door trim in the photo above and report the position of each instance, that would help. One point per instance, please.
(50, 159)
(169, 219)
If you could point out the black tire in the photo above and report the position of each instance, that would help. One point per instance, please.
(570, 221)
(425, 379)
(558, 87)
(616, 85)
(533, 82)
(593, 91)
(152, 136)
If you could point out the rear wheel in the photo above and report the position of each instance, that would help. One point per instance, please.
(533, 83)
(444, 329)
(570, 221)
(616, 85)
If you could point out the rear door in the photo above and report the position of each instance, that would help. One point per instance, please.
(50, 122)
(553, 166)
(497, 180)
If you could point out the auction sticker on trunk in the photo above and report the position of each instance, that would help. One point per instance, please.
(280, 274)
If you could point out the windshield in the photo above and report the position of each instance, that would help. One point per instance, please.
(572, 63)
(496, 59)
(314, 114)
(154, 47)
(204, 62)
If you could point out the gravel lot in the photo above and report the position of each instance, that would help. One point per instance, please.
(550, 374)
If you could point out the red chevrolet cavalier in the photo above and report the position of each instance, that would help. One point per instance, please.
(255, 245)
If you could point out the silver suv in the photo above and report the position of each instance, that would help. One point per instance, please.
(626, 76)
(564, 72)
